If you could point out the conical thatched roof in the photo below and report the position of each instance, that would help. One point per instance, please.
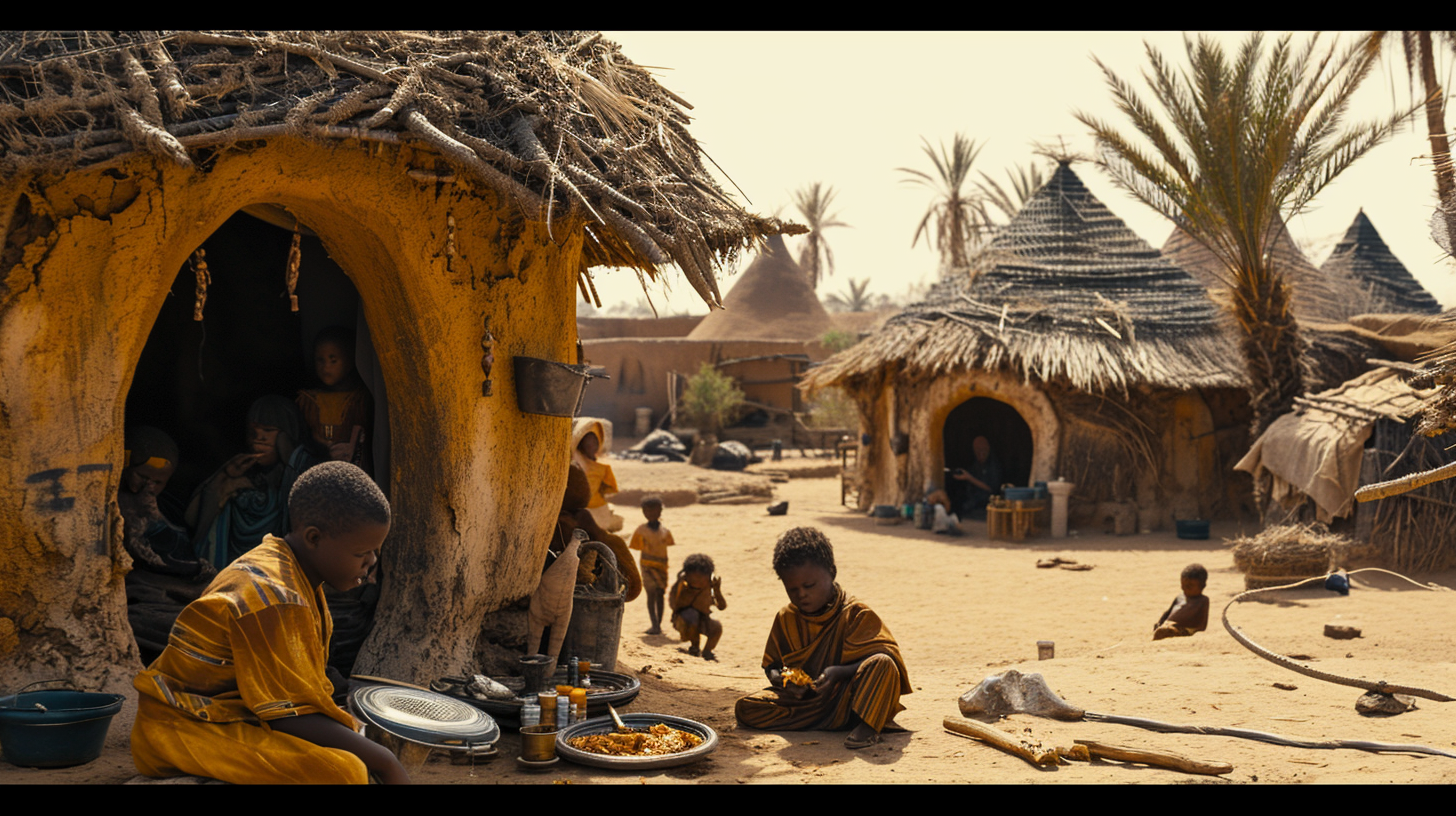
(1066, 291)
(558, 122)
(1363, 256)
(772, 300)
(1317, 296)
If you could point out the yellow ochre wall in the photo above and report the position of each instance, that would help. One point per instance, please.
(83, 279)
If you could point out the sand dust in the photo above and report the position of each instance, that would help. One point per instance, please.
(966, 608)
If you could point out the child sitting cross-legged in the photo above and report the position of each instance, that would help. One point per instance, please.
(240, 693)
(831, 663)
(693, 596)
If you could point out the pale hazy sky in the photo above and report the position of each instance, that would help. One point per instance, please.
(780, 110)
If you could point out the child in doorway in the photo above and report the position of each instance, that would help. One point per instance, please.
(340, 412)
(1189, 611)
(693, 596)
(653, 540)
(240, 693)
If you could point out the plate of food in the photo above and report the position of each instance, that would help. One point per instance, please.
(652, 741)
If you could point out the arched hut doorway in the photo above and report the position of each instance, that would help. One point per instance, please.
(196, 380)
(1003, 427)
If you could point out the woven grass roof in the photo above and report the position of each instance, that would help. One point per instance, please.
(559, 122)
(1318, 295)
(1065, 291)
(1363, 256)
(772, 300)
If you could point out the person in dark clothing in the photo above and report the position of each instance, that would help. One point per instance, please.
(982, 480)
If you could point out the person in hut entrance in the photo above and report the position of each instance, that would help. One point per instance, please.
(980, 480)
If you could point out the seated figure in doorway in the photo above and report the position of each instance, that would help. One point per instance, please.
(153, 541)
(982, 480)
(339, 412)
(247, 498)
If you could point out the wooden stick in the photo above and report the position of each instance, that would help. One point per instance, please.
(1010, 743)
(1148, 756)
(1404, 484)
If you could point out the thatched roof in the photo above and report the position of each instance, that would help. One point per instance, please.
(1362, 256)
(559, 122)
(772, 300)
(1318, 296)
(1066, 291)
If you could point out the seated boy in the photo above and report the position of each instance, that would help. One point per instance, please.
(855, 676)
(240, 693)
(1189, 611)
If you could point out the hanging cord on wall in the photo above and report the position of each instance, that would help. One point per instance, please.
(295, 254)
(1381, 687)
(199, 269)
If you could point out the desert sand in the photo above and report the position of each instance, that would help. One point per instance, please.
(965, 608)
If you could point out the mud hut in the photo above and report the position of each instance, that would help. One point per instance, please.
(1386, 284)
(460, 184)
(1078, 350)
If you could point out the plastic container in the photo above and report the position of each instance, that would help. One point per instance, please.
(1019, 494)
(1192, 528)
(55, 729)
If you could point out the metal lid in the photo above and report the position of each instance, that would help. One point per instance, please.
(426, 717)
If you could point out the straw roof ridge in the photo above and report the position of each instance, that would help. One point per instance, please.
(1363, 256)
(559, 122)
(1065, 290)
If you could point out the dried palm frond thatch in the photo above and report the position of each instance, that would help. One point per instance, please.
(1065, 290)
(1363, 257)
(558, 122)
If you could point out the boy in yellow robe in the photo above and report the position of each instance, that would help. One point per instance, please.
(240, 692)
(831, 663)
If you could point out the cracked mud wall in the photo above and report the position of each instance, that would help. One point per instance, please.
(87, 262)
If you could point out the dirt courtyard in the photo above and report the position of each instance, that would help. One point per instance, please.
(965, 608)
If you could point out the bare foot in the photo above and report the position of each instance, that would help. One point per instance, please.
(861, 737)
(656, 630)
(693, 650)
(708, 655)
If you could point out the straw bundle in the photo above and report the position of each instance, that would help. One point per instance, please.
(1286, 553)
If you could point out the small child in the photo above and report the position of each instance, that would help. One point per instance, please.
(340, 412)
(588, 438)
(831, 662)
(693, 596)
(1189, 611)
(653, 540)
(240, 694)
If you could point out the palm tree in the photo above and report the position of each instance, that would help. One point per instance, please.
(1253, 141)
(1024, 180)
(815, 258)
(1418, 48)
(959, 216)
(854, 299)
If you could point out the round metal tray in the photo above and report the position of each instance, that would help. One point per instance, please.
(603, 725)
(607, 687)
(426, 718)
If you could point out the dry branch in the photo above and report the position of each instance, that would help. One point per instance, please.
(1034, 753)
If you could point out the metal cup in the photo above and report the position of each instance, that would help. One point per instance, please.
(538, 743)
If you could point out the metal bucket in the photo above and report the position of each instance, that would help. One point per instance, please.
(538, 743)
(596, 614)
(548, 387)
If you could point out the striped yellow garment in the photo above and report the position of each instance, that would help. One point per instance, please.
(847, 631)
(252, 649)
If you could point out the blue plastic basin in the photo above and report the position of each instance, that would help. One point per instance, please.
(67, 728)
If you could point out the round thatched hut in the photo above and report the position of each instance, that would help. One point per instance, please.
(461, 185)
(1388, 287)
(1077, 349)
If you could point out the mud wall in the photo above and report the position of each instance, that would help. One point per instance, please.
(596, 328)
(88, 259)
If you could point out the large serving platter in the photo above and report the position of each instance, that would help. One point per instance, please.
(426, 718)
(604, 725)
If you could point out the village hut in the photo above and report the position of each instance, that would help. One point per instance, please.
(1078, 350)
(446, 193)
(1387, 286)
(764, 338)
(1358, 434)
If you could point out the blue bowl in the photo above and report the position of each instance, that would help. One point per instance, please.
(55, 729)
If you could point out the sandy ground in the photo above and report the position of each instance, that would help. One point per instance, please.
(966, 608)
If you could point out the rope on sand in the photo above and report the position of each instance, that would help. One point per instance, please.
(1380, 687)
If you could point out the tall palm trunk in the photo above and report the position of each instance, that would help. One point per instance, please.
(1273, 347)
(1436, 128)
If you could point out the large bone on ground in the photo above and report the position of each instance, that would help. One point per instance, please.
(1032, 752)
(1012, 692)
(1149, 756)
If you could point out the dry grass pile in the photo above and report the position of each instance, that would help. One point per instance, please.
(1287, 553)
